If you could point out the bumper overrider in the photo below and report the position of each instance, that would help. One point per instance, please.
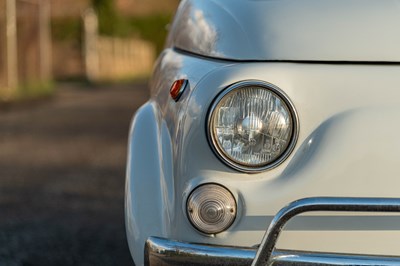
(160, 251)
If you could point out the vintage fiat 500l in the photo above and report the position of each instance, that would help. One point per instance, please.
(260, 104)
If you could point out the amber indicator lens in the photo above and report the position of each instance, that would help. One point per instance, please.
(177, 88)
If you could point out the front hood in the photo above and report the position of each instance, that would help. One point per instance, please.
(293, 30)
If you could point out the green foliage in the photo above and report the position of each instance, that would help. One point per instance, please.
(35, 90)
(152, 28)
(29, 91)
(64, 29)
(109, 21)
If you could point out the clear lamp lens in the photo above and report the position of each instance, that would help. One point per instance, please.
(251, 126)
(211, 208)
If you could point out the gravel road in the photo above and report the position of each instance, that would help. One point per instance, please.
(62, 165)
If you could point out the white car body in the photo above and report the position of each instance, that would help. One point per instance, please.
(338, 62)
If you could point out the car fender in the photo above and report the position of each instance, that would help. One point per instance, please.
(149, 193)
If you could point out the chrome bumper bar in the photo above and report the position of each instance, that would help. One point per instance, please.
(159, 251)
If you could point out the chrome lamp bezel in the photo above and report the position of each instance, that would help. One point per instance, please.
(203, 230)
(241, 167)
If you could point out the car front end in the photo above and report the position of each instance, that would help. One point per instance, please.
(257, 104)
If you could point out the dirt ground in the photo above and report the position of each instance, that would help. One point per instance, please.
(62, 167)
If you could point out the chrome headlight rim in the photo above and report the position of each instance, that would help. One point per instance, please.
(218, 150)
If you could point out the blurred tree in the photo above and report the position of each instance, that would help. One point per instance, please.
(108, 17)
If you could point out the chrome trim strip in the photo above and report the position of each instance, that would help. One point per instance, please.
(295, 118)
(265, 254)
(160, 251)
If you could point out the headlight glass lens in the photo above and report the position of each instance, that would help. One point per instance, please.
(252, 126)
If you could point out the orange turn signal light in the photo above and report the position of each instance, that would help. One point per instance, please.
(177, 88)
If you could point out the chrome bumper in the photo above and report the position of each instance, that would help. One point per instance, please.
(159, 251)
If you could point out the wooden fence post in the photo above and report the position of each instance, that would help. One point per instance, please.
(12, 55)
(45, 41)
(90, 52)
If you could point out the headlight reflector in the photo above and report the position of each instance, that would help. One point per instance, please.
(252, 126)
(211, 208)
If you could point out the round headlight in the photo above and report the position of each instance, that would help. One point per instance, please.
(252, 126)
(211, 208)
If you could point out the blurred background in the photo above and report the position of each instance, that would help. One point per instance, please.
(72, 74)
